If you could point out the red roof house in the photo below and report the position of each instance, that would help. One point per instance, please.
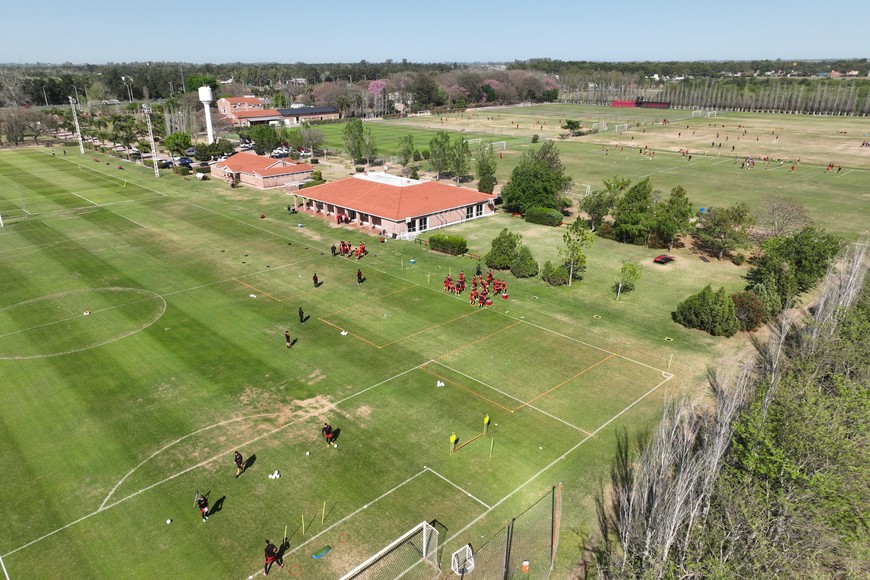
(262, 172)
(395, 205)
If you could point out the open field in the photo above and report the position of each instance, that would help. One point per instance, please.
(112, 420)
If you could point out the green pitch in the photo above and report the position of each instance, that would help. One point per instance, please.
(141, 343)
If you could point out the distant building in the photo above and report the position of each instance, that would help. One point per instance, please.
(231, 105)
(262, 172)
(395, 206)
(295, 116)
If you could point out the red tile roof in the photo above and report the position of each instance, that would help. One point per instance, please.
(394, 198)
(256, 113)
(253, 164)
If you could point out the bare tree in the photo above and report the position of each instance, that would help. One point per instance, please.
(12, 91)
(780, 216)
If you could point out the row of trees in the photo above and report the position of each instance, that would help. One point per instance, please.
(772, 480)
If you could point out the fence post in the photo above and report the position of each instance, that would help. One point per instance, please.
(507, 549)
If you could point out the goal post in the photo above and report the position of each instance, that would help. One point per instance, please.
(602, 126)
(711, 114)
(474, 142)
(498, 145)
(621, 127)
(696, 114)
(414, 555)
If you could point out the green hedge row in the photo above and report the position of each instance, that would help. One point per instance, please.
(544, 216)
(453, 245)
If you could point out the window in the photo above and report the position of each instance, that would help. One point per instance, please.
(412, 225)
(478, 210)
(424, 223)
(469, 212)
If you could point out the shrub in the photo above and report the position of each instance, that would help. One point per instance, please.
(360, 168)
(708, 311)
(524, 265)
(417, 156)
(554, 275)
(202, 169)
(544, 216)
(414, 173)
(425, 153)
(314, 161)
(317, 176)
(312, 183)
(504, 249)
(454, 245)
(738, 259)
(749, 310)
(535, 138)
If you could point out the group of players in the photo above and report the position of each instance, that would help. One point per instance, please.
(272, 554)
(482, 288)
(345, 249)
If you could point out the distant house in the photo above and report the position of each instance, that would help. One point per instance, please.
(262, 172)
(296, 116)
(230, 105)
(256, 117)
(395, 206)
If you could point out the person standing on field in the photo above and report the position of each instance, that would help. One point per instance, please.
(359, 277)
(240, 463)
(202, 504)
(301, 315)
(315, 279)
(271, 556)
(327, 433)
(287, 339)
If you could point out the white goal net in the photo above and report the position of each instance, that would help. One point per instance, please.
(462, 562)
(498, 145)
(621, 128)
(711, 114)
(696, 114)
(413, 556)
(474, 142)
(602, 126)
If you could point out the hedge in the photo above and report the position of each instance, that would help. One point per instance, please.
(312, 183)
(554, 275)
(544, 216)
(453, 245)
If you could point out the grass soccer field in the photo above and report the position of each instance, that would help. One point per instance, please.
(141, 343)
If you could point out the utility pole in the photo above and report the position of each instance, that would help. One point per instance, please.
(78, 128)
(147, 110)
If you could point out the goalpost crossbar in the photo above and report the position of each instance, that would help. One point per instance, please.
(420, 545)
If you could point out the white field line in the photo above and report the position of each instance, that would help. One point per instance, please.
(50, 244)
(566, 423)
(847, 172)
(84, 198)
(129, 220)
(466, 492)
(5, 573)
(555, 461)
(222, 454)
(661, 171)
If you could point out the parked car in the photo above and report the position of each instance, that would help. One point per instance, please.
(185, 161)
(663, 259)
(165, 164)
(190, 151)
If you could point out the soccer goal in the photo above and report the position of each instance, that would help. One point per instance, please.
(602, 126)
(414, 556)
(696, 114)
(621, 128)
(584, 189)
(711, 114)
(498, 145)
(462, 562)
(474, 143)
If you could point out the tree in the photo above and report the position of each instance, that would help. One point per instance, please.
(194, 81)
(369, 146)
(265, 138)
(600, 203)
(673, 217)
(723, 230)
(633, 216)
(439, 154)
(629, 274)
(293, 137)
(749, 310)
(353, 136)
(708, 311)
(12, 90)
(312, 139)
(780, 216)
(486, 168)
(424, 90)
(406, 149)
(792, 265)
(460, 159)
(177, 143)
(577, 237)
(524, 265)
(538, 180)
(503, 251)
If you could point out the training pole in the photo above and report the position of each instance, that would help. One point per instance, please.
(285, 532)
(303, 524)
(491, 445)
(323, 513)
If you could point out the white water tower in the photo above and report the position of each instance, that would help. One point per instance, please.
(205, 97)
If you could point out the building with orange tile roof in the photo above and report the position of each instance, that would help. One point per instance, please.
(262, 172)
(395, 206)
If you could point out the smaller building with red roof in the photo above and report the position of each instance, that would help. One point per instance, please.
(262, 172)
(394, 206)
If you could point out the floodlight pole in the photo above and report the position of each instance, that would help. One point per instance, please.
(147, 110)
(72, 104)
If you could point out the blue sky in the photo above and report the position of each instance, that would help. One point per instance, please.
(96, 31)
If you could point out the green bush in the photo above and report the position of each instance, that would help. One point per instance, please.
(544, 216)
(524, 265)
(179, 170)
(314, 161)
(504, 249)
(749, 310)
(554, 275)
(417, 156)
(712, 312)
(425, 153)
(360, 168)
(738, 259)
(317, 175)
(415, 174)
(535, 138)
(202, 169)
(454, 245)
(312, 183)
